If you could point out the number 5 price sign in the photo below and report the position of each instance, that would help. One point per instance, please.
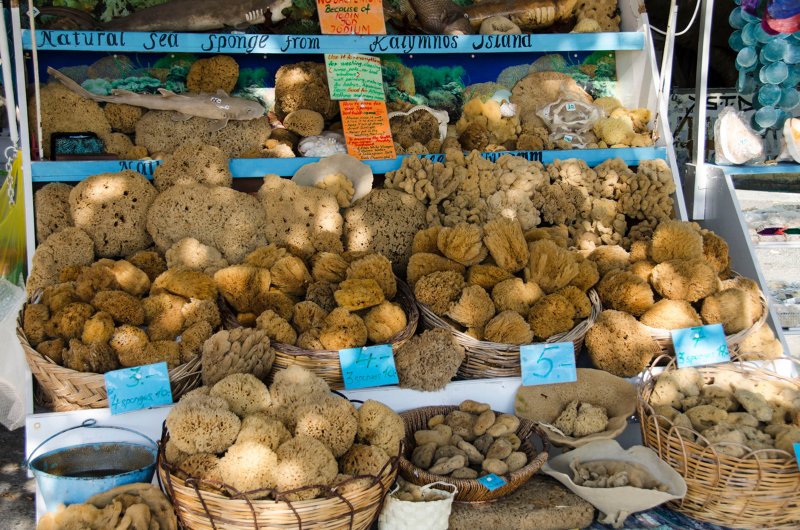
(545, 364)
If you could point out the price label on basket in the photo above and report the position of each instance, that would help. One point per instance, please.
(138, 388)
(700, 346)
(545, 364)
(492, 481)
(368, 366)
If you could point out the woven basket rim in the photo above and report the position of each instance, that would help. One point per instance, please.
(708, 452)
(515, 479)
(575, 334)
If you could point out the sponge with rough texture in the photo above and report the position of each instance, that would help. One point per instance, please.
(51, 204)
(689, 280)
(508, 327)
(304, 461)
(438, 290)
(671, 314)
(624, 291)
(65, 111)
(193, 162)
(121, 117)
(384, 321)
(67, 248)
(305, 122)
(676, 240)
(207, 76)
(303, 85)
(428, 361)
(619, 344)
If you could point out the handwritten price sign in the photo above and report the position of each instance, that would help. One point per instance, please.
(138, 388)
(545, 364)
(367, 367)
(354, 76)
(700, 346)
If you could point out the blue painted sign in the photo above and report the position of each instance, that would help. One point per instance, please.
(492, 481)
(700, 346)
(546, 364)
(138, 388)
(368, 366)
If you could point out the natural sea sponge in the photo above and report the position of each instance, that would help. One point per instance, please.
(241, 350)
(619, 344)
(438, 290)
(65, 111)
(278, 329)
(332, 420)
(676, 240)
(321, 293)
(51, 206)
(228, 220)
(380, 426)
(151, 262)
(95, 358)
(193, 338)
(365, 460)
(193, 163)
(249, 466)
(308, 315)
(297, 215)
(428, 361)
(200, 429)
(671, 314)
(473, 309)
(550, 266)
(293, 387)
(733, 308)
(305, 122)
(34, 320)
(642, 269)
(67, 248)
(98, 329)
(609, 257)
(242, 286)
(303, 85)
(304, 461)
(124, 308)
(154, 352)
(716, 251)
(385, 222)
(378, 268)
(508, 327)
(357, 294)
(67, 323)
(328, 267)
(91, 280)
(343, 329)
(130, 278)
(689, 280)
(761, 344)
(462, 243)
(426, 240)
(192, 254)
(506, 243)
(244, 393)
(58, 295)
(550, 315)
(487, 276)
(164, 315)
(122, 118)
(384, 321)
(578, 299)
(128, 341)
(266, 256)
(423, 264)
(624, 291)
(264, 430)
(587, 276)
(208, 76)
(112, 209)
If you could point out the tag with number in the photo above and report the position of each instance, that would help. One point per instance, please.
(138, 388)
(492, 481)
(367, 367)
(700, 346)
(544, 364)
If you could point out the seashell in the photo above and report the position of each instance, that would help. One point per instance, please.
(441, 116)
(326, 144)
(357, 172)
(736, 141)
(791, 135)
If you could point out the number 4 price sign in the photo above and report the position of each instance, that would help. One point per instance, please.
(545, 364)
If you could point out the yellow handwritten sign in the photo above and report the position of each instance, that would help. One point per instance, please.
(366, 130)
(351, 17)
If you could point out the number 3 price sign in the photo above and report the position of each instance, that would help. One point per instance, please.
(367, 367)
(545, 364)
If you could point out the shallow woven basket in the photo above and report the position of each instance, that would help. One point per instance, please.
(325, 363)
(207, 510)
(491, 359)
(757, 490)
(664, 339)
(62, 389)
(471, 490)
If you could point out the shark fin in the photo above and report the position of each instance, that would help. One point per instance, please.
(217, 125)
(122, 92)
(221, 93)
(169, 93)
(180, 116)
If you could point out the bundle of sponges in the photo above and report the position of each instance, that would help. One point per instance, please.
(483, 124)
(469, 442)
(132, 506)
(109, 314)
(581, 419)
(622, 127)
(292, 441)
(495, 284)
(679, 278)
(334, 301)
(733, 412)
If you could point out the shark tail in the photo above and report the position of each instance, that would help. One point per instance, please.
(75, 87)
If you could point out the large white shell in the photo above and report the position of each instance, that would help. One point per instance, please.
(357, 172)
(441, 116)
(791, 135)
(326, 144)
(738, 143)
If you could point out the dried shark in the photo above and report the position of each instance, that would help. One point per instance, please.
(219, 107)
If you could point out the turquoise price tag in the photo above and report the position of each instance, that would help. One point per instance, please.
(700, 346)
(138, 388)
(796, 446)
(545, 364)
(368, 366)
(492, 481)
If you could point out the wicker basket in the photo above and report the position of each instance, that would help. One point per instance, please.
(757, 490)
(200, 509)
(325, 363)
(490, 359)
(62, 389)
(663, 337)
(471, 490)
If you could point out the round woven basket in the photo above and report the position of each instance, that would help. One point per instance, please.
(758, 490)
(325, 363)
(491, 359)
(663, 337)
(62, 389)
(471, 490)
(200, 509)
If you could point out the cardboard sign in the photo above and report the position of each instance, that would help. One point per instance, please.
(545, 364)
(354, 76)
(492, 481)
(366, 130)
(138, 388)
(700, 346)
(368, 366)
(351, 17)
